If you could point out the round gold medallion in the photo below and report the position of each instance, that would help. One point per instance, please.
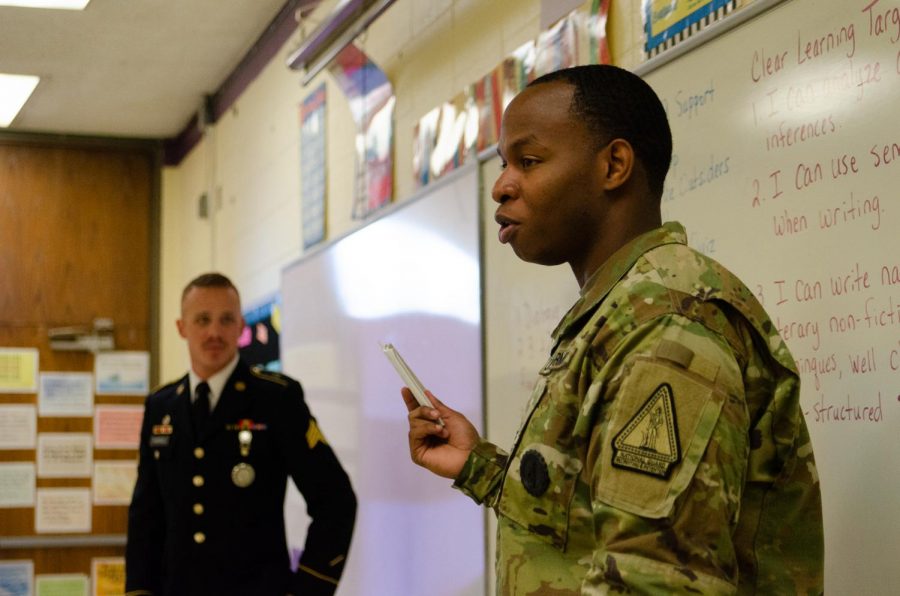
(243, 475)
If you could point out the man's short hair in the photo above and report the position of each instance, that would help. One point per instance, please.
(617, 104)
(209, 280)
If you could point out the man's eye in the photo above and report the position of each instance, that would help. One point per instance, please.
(527, 162)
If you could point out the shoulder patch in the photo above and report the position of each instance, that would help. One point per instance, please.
(649, 442)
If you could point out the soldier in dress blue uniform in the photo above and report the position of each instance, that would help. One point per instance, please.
(217, 447)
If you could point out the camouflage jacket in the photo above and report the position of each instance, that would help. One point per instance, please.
(663, 449)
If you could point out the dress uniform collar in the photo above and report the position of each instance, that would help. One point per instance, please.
(216, 382)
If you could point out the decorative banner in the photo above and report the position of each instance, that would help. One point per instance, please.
(517, 70)
(596, 26)
(666, 22)
(18, 370)
(258, 344)
(424, 139)
(452, 134)
(556, 48)
(490, 109)
(445, 137)
(313, 166)
(371, 98)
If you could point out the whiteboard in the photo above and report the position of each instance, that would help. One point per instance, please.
(785, 169)
(780, 172)
(411, 278)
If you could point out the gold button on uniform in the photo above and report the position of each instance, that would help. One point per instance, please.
(156, 454)
(199, 537)
(198, 480)
(198, 508)
(199, 453)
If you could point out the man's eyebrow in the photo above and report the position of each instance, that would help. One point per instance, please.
(530, 138)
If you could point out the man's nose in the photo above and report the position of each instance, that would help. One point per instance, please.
(504, 188)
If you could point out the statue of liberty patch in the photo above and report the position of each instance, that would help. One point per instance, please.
(649, 442)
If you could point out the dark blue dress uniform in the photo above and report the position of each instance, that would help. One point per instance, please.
(207, 515)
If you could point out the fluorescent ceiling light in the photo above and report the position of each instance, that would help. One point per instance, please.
(14, 92)
(64, 4)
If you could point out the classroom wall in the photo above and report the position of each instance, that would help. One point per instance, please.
(248, 162)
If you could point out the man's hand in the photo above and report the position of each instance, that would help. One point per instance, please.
(440, 449)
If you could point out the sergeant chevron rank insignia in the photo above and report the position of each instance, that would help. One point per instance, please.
(649, 442)
(314, 435)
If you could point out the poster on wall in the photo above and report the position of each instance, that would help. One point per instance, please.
(65, 394)
(114, 481)
(64, 455)
(313, 166)
(122, 373)
(18, 426)
(63, 510)
(61, 584)
(108, 576)
(668, 21)
(259, 342)
(118, 426)
(18, 370)
(16, 577)
(17, 484)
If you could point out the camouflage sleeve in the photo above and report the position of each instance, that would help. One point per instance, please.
(482, 473)
(667, 462)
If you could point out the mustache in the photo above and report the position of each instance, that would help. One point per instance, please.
(214, 343)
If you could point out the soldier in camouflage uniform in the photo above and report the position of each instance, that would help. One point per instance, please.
(663, 449)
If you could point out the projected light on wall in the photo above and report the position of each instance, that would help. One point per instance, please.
(416, 284)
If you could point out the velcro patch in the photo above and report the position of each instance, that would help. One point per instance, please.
(534, 473)
(649, 441)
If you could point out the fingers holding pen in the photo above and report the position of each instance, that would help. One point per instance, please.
(423, 420)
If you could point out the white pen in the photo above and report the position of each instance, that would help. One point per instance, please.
(409, 377)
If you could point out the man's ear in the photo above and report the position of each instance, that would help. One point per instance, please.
(180, 324)
(619, 159)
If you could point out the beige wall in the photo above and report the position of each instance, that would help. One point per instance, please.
(248, 161)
